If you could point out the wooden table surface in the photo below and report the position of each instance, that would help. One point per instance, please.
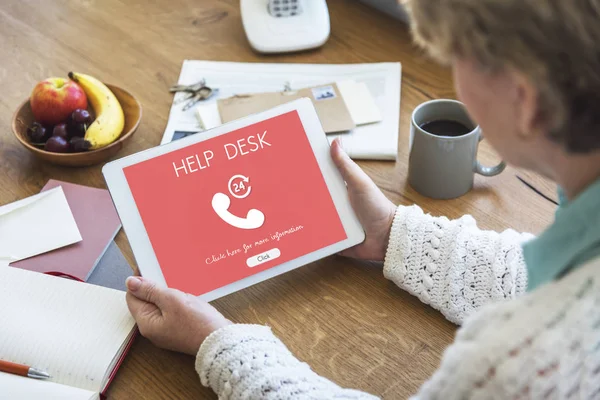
(339, 315)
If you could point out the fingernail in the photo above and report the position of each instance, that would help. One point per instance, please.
(341, 147)
(337, 146)
(133, 283)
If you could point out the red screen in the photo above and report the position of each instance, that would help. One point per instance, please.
(234, 205)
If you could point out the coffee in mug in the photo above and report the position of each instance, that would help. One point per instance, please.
(445, 127)
(443, 150)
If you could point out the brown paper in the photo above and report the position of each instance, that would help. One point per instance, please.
(328, 102)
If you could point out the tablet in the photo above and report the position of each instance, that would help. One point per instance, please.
(227, 208)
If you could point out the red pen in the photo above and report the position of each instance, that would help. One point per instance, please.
(23, 370)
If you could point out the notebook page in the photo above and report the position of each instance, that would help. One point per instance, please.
(71, 329)
(19, 387)
(107, 377)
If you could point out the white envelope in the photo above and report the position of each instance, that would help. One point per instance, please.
(36, 225)
(357, 97)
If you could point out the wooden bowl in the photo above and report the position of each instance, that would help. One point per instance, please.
(132, 109)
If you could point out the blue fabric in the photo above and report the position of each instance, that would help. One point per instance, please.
(572, 240)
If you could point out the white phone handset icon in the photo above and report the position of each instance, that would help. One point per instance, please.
(254, 219)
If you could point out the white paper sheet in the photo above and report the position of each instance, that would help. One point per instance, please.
(360, 103)
(36, 225)
(19, 387)
(208, 115)
(377, 141)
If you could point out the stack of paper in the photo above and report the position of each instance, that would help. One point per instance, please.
(377, 140)
(98, 223)
(341, 106)
(77, 332)
(67, 230)
(327, 99)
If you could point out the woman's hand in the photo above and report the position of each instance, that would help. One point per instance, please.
(170, 318)
(374, 211)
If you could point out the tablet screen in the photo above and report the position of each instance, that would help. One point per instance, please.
(226, 208)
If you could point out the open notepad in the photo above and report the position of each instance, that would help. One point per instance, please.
(75, 331)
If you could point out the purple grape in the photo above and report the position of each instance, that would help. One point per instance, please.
(79, 144)
(76, 129)
(57, 144)
(37, 133)
(61, 130)
(81, 116)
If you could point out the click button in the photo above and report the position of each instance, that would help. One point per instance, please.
(263, 257)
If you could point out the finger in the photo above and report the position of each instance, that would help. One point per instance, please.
(146, 315)
(146, 290)
(138, 307)
(345, 253)
(351, 172)
(143, 312)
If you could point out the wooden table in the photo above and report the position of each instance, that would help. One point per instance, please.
(339, 315)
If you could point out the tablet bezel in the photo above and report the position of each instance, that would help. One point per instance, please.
(136, 232)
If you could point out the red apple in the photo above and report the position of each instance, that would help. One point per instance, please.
(54, 99)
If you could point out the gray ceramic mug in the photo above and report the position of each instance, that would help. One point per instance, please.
(444, 167)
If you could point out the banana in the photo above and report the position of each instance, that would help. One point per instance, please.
(109, 122)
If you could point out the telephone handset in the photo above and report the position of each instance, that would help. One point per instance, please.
(254, 218)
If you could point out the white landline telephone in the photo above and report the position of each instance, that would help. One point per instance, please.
(281, 26)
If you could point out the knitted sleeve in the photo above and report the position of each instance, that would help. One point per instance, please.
(452, 265)
(249, 362)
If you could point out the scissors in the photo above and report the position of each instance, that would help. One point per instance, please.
(195, 93)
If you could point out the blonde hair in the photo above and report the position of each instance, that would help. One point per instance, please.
(555, 43)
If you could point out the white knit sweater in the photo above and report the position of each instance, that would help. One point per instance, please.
(539, 345)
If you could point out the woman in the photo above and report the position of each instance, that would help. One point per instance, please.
(528, 71)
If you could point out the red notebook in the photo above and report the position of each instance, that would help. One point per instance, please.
(120, 357)
(98, 224)
(78, 332)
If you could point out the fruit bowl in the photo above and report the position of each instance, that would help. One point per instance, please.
(132, 110)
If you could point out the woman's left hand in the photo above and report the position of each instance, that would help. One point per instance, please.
(170, 318)
(374, 211)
